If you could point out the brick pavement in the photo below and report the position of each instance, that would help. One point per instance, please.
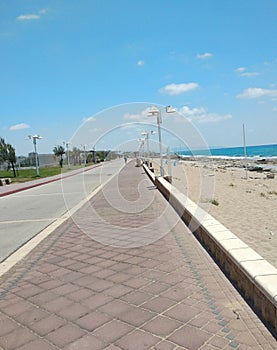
(124, 274)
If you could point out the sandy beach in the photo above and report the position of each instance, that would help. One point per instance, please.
(247, 207)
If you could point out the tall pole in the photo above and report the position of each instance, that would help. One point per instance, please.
(245, 155)
(169, 162)
(159, 117)
(67, 152)
(36, 155)
(85, 154)
(148, 152)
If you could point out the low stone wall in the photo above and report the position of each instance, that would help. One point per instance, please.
(254, 276)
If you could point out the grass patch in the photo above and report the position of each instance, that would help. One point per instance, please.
(214, 202)
(24, 175)
(262, 194)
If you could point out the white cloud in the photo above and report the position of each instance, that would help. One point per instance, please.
(176, 89)
(140, 63)
(19, 126)
(249, 74)
(201, 115)
(139, 116)
(28, 17)
(31, 16)
(204, 56)
(43, 11)
(242, 71)
(251, 93)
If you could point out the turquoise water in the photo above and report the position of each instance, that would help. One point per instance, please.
(261, 151)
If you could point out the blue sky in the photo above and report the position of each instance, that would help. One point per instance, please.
(65, 63)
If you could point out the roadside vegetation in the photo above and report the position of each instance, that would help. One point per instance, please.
(23, 175)
(25, 170)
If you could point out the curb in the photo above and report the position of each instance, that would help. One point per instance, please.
(254, 277)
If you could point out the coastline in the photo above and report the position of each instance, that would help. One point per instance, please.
(247, 207)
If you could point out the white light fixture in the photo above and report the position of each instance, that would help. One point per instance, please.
(155, 111)
(35, 138)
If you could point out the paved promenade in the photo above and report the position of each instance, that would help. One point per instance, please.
(124, 273)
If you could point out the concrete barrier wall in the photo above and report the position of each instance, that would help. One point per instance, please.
(253, 275)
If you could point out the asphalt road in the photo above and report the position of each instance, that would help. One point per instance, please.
(25, 214)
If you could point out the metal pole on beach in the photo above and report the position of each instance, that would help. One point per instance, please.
(245, 155)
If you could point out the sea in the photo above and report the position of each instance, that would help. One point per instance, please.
(254, 152)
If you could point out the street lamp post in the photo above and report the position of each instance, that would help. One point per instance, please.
(35, 138)
(85, 154)
(146, 133)
(67, 153)
(155, 111)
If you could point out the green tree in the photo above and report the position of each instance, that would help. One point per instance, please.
(59, 151)
(7, 154)
(3, 150)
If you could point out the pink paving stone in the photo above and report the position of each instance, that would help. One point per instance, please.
(136, 282)
(158, 304)
(42, 298)
(51, 284)
(37, 344)
(88, 342)
(103, 273)
(137, 297)
(165, 345)
(96, 301)
(219, 342)
(16, 338)
(80, 294)
(100, 285)
(86, 280)
(65, 335)
(31, 315)
(120, 266)
(57, 304)
(137, 340)
(6, 325)
(47, 325)
(73, 311)
(72, 276)
(30, 291)
(112, 331)
(118, 291)
(176, 293)
(65, 289)
(155, 288)
(119, 277)
(161, 326)
(17, 308)
(93, 320)
(189, 337)
(115, 308)
(112, 347)
(182, 313)
(136, 316)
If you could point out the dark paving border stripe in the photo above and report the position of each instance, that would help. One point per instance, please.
(209, 299)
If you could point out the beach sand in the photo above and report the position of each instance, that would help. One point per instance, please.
(247, 207)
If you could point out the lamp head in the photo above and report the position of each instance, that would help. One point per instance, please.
(153, 111)
(170, 109)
